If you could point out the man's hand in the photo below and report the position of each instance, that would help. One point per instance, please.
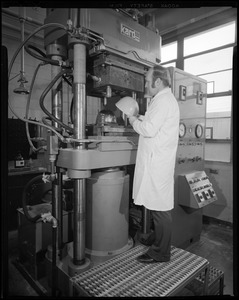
(132, 119)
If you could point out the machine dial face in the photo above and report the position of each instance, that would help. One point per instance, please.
(198, 131)
(182, 130)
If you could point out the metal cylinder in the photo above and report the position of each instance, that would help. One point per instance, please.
(79, 222)
(107, 212)
(79, 91)
(79, 133)
(79, 113)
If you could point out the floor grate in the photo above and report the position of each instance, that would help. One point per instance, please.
(123, 275)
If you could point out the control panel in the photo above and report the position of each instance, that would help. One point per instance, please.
(195, 190)
(191, 141)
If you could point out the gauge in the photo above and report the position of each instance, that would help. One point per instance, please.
(182, 130)
(198, 131)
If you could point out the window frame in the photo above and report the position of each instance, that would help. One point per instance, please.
(179, 37)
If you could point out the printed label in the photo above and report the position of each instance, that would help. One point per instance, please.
(131, 33)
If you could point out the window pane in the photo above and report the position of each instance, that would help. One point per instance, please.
(210, 39)
(220, 127)
(210, 62)
(169, 52)
(219, 104)
(218, 152)
(218, 82)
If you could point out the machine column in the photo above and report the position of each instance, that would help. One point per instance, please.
(79, 133)
(56, 98)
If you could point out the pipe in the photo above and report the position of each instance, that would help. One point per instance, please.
(28, 19)
(54, 272)
(22, 18)
(57, 206)
(79, 75)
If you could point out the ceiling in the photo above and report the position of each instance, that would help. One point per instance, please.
(170, 19)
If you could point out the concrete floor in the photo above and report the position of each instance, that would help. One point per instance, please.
(215, 244)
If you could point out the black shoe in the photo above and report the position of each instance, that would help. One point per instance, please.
(144, 258)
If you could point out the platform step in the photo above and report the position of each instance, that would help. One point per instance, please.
(124, 276)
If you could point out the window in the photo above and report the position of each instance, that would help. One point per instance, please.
(169, 52)
(218, 82)
(214, 64)
(219, 104)
(210, 39)
(210, 62)
(209, 55)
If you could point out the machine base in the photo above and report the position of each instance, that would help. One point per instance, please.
(101, 256)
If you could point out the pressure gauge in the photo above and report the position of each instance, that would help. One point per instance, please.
(182, 130)
(198, 131)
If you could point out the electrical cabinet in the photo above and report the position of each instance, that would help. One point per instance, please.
(192, 190)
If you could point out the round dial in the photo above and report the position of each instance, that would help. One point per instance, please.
(198, 131)
(182, 130)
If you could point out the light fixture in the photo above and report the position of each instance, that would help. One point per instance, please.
(21, 89)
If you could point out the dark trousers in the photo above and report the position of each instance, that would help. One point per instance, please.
(161, 237)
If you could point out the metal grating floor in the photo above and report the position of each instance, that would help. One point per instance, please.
(124, 276)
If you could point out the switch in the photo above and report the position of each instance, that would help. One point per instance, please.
(199, 98)
(211, 192)
(200, 197)
(182, 92)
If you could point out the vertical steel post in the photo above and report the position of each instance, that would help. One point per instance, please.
(79, 133)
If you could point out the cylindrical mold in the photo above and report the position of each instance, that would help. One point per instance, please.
(107, 212)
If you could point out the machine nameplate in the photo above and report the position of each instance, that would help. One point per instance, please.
(129, 32)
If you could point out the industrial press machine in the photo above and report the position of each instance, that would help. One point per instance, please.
(108, 60)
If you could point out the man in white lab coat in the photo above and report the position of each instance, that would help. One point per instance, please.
(153, 185)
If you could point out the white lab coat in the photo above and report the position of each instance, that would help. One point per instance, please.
(153, 185)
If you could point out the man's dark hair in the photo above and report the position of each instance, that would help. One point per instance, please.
(163, 74)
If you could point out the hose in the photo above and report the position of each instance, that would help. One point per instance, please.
(42, 56)
(24, 199)
(27, 109)
(48, 88)
(29, 46)
(10, 69)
